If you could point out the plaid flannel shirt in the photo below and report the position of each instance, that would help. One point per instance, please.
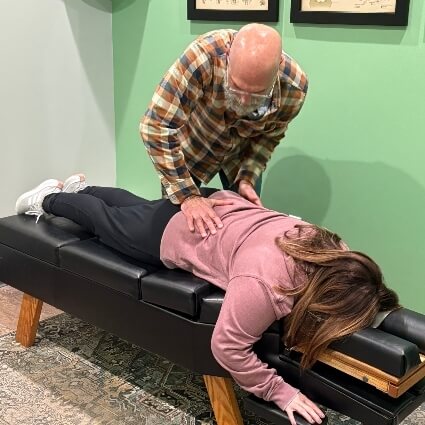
(187, 129)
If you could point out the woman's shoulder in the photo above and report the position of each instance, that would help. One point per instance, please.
(282, 304)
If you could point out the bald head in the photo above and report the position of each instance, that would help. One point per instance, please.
(254, 56)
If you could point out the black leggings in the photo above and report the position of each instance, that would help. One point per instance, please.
(126, 222)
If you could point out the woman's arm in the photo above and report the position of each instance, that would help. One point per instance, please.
(246, 313)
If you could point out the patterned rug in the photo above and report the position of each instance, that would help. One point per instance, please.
(78, 374)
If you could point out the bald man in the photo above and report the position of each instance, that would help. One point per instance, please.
(221, 108)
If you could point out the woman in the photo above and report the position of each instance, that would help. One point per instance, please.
(271, 266)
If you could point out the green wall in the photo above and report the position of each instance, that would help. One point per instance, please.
(353, 159)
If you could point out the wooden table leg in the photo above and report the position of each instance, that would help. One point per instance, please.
(29, 317)
(223, 400)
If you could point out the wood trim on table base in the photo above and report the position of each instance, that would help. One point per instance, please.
(223, 400)
(384, 382)
(29, 317)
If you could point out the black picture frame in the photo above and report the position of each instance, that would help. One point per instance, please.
(270, 15)
(399, 18)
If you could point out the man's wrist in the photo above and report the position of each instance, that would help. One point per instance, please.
(243, 181)
(246, 176)
(191, 197)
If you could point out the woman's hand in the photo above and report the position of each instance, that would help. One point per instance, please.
(304, 407)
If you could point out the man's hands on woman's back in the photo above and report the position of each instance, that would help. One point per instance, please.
(200, 214)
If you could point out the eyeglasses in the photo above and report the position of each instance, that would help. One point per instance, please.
(244, 97)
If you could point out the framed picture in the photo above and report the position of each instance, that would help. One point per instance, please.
(356, 12)
(233, 10)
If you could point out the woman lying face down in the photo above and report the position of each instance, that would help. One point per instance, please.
(272, 266)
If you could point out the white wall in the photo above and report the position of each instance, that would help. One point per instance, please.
(56, 94)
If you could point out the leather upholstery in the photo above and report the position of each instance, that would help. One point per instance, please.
(210, 306)
(93, 260)
(176, 290)
(43, 238)
(406, 324)
(380, 349)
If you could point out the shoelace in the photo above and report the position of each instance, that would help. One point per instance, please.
(36, 210)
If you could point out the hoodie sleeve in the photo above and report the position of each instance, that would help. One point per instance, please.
(247, 311)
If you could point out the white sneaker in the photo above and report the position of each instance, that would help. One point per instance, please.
(74, 183)
(30, 202)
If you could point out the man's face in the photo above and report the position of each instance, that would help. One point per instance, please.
(244, 102)
(235, 104)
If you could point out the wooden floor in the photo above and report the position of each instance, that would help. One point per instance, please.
(10, 302)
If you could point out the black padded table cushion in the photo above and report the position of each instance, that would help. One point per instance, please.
(93, 260)
(380, 349)
(176, 290)
(43, 239)
(406, 324)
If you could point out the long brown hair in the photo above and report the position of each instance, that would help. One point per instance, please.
(337, 291)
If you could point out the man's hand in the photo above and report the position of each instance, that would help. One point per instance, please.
(247, 191)
(304, 407)
(199, 213)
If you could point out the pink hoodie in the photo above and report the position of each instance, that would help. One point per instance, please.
(242, 259)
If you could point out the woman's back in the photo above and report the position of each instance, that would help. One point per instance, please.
(244, 246)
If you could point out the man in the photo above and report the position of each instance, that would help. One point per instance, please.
(222, 107)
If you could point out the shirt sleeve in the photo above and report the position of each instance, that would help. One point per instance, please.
(258, 152)
(246, 313)
(164, 126)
